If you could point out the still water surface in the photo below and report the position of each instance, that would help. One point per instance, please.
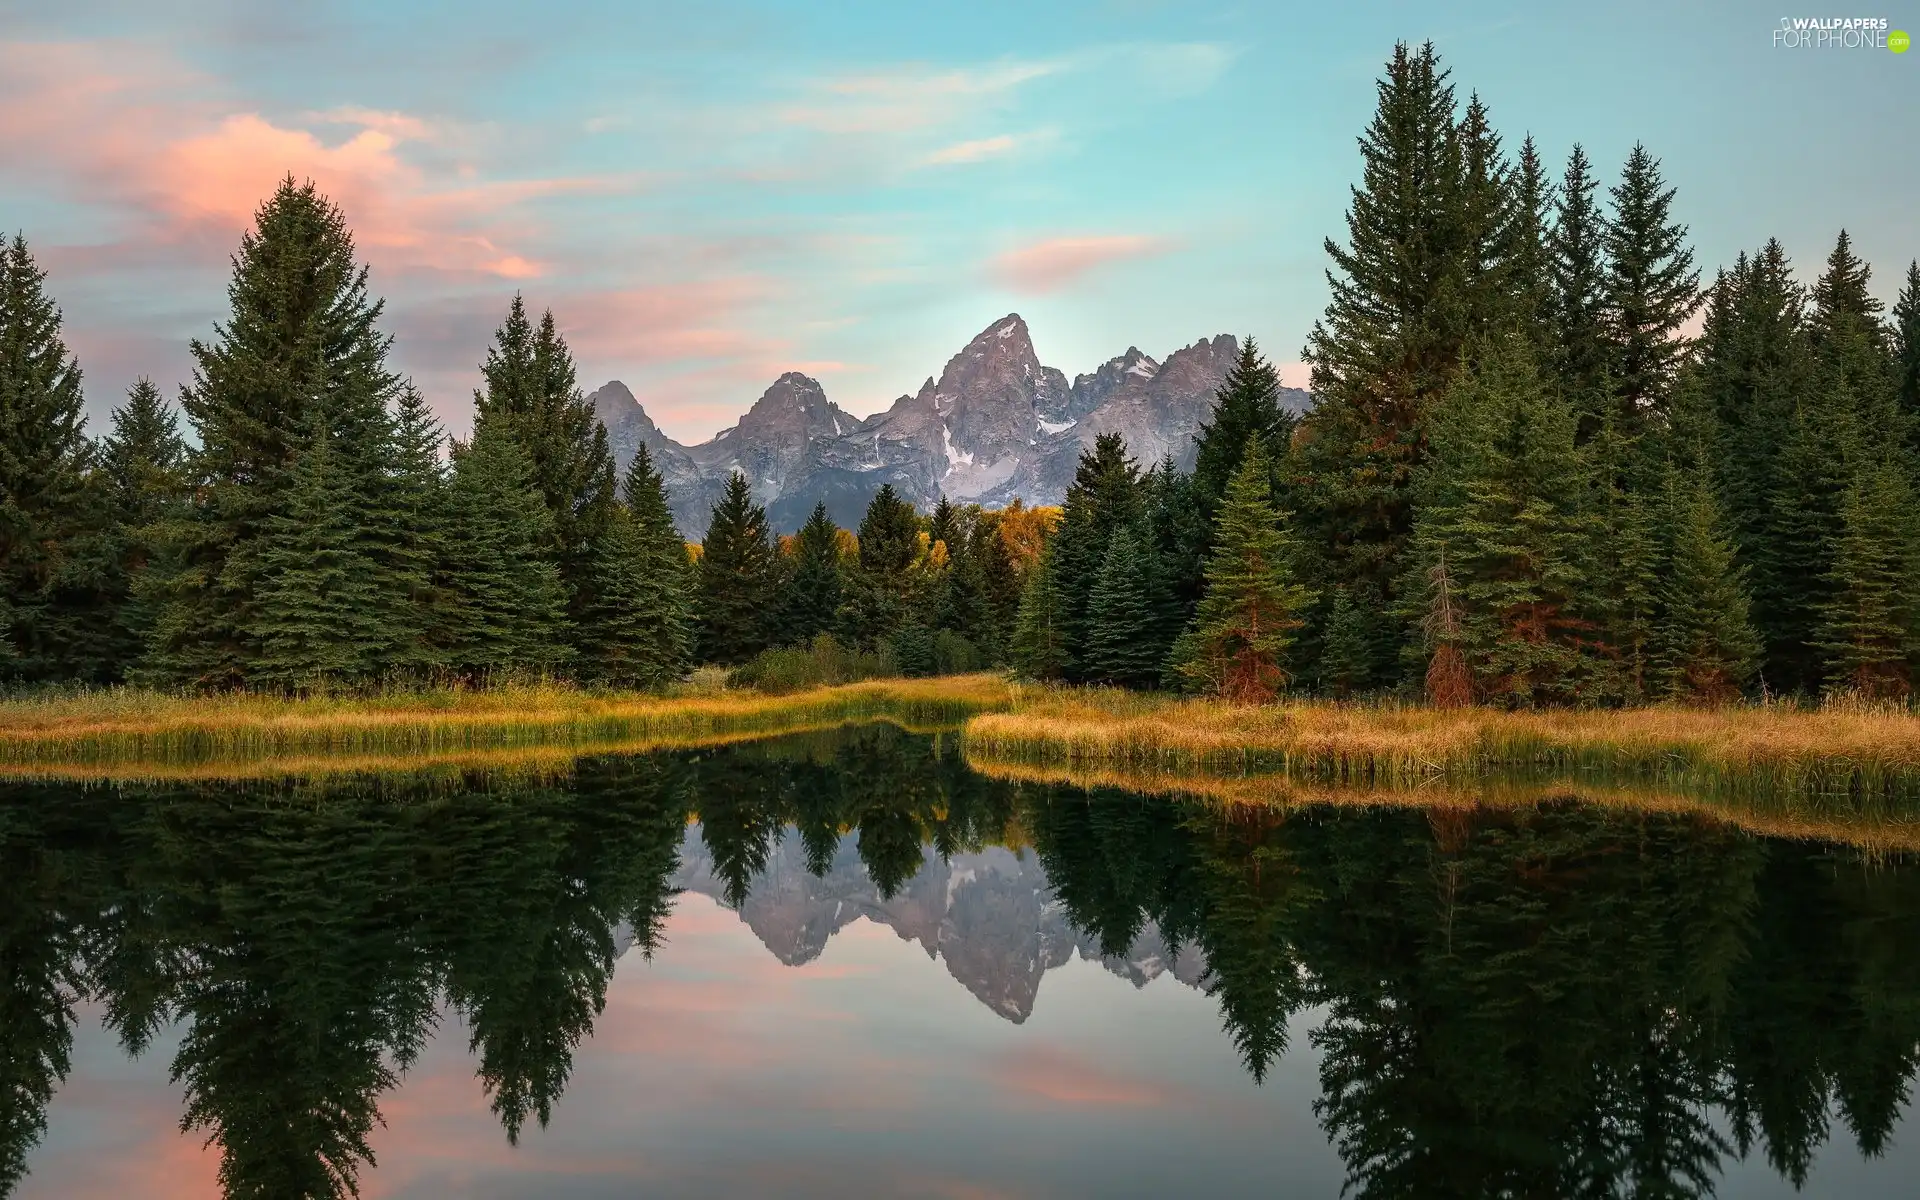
(846, 964)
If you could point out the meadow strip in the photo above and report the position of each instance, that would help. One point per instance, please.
(1840, 748)
(131, 734)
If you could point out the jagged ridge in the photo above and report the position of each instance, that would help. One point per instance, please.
(996, 424)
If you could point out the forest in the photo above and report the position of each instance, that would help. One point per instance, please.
(1548, 464)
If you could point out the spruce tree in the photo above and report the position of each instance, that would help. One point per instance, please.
(1623, 563)
(1906, 349)
(1103, 499)
(1581, 352)
(1652, 289)
(507, 605)
(143, 460)
(1246, 406)
(1178, 527)
(1344, 663)
(1502, 507)
(302, 335)
(530, 380)
(49, 510)
(1408, 289)
(317, 605)
(411, 500)
(1868, 626)
(734, 588)
(1238, 642)
(813, 596)
(1124, 614)
(1526, 253)
(667, 580)
(879, 595)
(1037, 648)
(944, 525)
(1706, 648)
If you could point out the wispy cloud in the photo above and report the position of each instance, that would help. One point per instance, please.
(1059, 262)
(908, 98)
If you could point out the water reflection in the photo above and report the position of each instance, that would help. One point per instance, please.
(1548, 1000)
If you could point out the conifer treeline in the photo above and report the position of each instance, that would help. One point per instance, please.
(1522, 482)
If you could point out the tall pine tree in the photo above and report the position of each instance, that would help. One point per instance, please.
(1125, 611)
(530, 381)
(1581, 353)
(507, 605)
(1246, 406)
(143, 460)
(813, 593)
(1706, 647)
(1237, 645)
(734, 580)
(1103, 499)
(640, 610)
(302, 339)
(1502, 509)
(1868, 619)
(1653, 289)
(48, 509)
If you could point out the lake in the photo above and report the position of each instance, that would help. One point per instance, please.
(846, 964)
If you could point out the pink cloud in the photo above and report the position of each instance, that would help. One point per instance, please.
(1056, 263)
(973, 151)
(146, 136)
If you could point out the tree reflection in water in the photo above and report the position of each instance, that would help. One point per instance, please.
(1548, 1000)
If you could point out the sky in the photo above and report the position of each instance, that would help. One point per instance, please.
(707, 195)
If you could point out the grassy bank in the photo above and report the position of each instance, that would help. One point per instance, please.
(1749, 749)
(133, 734)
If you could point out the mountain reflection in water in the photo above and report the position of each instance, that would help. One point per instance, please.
(1551, 1000)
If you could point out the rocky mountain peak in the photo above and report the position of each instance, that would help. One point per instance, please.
(994, 424)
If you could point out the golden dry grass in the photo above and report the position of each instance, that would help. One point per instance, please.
(1840, 746)
(128, 734)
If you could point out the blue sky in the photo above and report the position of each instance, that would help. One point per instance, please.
(710, 194)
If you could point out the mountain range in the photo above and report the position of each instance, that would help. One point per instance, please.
(995, 425)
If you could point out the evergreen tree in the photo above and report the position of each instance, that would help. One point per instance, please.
(48, 510)
(879, 594)
(1906, 348)
(1849, 341)
(1178, 527)
(638, 601)
(317, 614)
(1581, 353)
(302, 336)
(813, 596)
(1652, 289)
(1237, 645)
(1103, 499)
(666, 579)
(944, 525)
(411, 501)
(1038, 647)
(1867, 628)
(1344, 662)
(1621, 589)
(734, 589)
(1124, 614)
(1707, 648)
(1502, 509)
(530, 381)
(508, 606)
(1246, 406)
(1485, 223)
(143, 461)
(1526, 253)
(1409, 287)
